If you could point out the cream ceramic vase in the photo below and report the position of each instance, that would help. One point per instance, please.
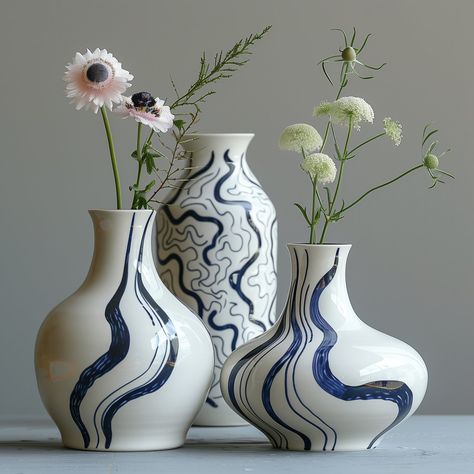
(217, 242)
(320, 379)
(122, 364)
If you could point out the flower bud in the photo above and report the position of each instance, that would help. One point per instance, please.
(431, 161)
(349, 54)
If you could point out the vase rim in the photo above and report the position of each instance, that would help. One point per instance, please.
(330, 245)
(120, 211)
(199, 134)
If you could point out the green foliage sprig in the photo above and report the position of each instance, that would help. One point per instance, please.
(187, 109)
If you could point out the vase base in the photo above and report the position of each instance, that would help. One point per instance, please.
(131, 445)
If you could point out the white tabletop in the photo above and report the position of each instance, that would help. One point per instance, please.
(424, 444)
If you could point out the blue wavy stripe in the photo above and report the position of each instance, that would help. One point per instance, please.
(246, 359)
(402, 396)
(118, 349)
(182, 285)
(286, 358)
(223, 327)
(192, 176)
(235, 278)
(297, 331)
(164, 372)
(148, 312)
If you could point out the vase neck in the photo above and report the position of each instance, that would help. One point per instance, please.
(319, 284)
(121, 238)
(222, 149)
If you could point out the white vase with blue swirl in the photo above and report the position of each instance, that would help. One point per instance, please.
(217, 242)
(122, 364)
(320, 379)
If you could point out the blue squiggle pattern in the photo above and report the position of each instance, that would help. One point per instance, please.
(117, 351)
(235, 278)
(220, 278)
(402, 396)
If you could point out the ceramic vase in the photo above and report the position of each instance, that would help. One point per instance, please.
(122, 364)
(320, 379)
(217, 239)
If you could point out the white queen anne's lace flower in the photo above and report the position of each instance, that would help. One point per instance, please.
(393, 130)
(321, 167)
(150, 111)
(95, 79)
(300, 136)
(347, 110)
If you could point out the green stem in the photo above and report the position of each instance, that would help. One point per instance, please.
(108, 132)
(312, 233)
(325, 136)
(381, 186)
(338, 184)
(345, 66)
(140, 165)
(365, 143)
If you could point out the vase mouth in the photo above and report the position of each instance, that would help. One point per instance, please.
(329, 245)
(120, 211)
(212, 135)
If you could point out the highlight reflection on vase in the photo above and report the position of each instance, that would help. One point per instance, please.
(321, 379)
(217, 242)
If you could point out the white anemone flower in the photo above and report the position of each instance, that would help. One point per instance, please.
(146, 109)
(95, 79)
(347, 110)
(321, 167)
(300, 136)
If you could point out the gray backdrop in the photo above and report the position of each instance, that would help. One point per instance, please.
(411, 268)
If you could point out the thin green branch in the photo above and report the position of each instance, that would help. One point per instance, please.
(387, 183)
(110, 141)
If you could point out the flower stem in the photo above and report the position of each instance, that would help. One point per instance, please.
(312, 232)
(140, 165)
(338, 185)
(325, 137)
(365, 143)
(381, 186)
(108, 132)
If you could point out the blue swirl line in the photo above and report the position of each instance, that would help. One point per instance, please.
(198, 217)
(287, 356)
(184, 288)
(223, 327)
(191, 177)
(138, 376)
(247, 362)
(163, 373)
(235, 278)
(118, 349)
(296, 329)
(402, 396)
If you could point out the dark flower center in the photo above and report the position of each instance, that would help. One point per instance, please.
(143, 99)
(97, 72)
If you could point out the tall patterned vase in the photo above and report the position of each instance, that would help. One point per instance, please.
(320, 379)
(121, 364)
(217, 252)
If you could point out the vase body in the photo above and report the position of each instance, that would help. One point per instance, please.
(217, 252)
(122, 364)
(320, 379)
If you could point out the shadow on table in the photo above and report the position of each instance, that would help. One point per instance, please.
(30, 444)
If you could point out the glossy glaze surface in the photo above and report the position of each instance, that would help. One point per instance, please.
(217, 239)
(122, 364)
(321, 379)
